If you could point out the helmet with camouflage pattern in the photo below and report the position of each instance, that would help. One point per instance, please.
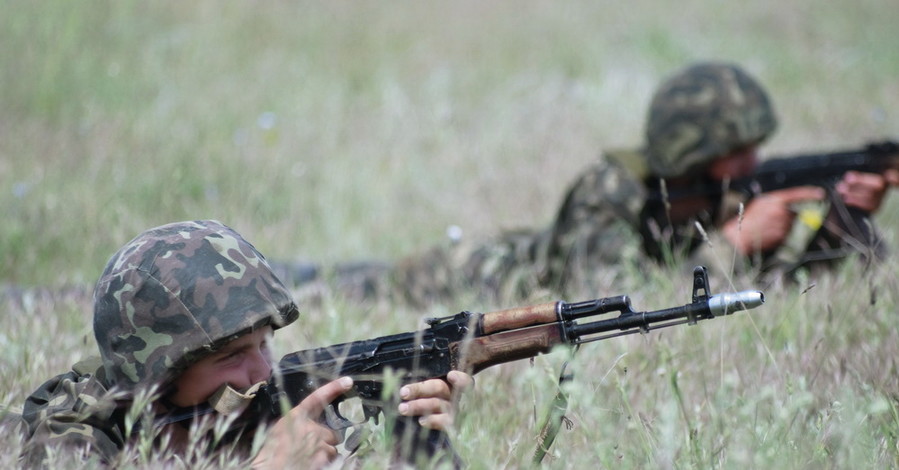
(177, 293)
(703, 112)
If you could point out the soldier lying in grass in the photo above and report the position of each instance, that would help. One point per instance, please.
(182, 312)
(704, 129)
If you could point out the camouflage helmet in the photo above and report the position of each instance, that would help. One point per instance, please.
(177, 293)
(703, 112)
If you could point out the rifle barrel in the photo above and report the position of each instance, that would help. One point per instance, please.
(634, 322)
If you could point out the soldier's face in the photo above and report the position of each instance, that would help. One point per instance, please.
(240, 364)
(737, 164)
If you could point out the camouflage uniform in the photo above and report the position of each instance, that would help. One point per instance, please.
(165, 300)
(701, 113)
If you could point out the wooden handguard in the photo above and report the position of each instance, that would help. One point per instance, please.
(485, 351)
(519, 317)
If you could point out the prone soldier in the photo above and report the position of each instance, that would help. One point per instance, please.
(183, 315)
(704, 128)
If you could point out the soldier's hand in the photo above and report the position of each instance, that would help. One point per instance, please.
(434, 400)
(299, 439)
(866, 191)
(768, 219)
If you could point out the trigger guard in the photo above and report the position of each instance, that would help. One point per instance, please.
(371, 412)
(336, 422)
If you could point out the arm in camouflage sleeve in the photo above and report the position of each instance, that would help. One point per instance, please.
(67, 412)
(596, 225)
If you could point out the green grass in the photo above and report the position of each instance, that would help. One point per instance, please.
(339, 130)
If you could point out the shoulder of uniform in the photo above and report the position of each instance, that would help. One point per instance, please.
(632, 160)
(88, 365)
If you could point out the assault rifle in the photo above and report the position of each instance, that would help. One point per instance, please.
(472, 342)
(849, 230)
(819, 169)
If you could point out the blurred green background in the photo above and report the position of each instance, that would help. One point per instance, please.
(334, 130)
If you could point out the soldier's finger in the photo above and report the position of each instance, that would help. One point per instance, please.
(429, 388)
(440, 422)
(315, 403)
(323, 457)
(424, 407)
(460, 381)
(798, 194)
(874, 181)
(866, 181)
(892, 177)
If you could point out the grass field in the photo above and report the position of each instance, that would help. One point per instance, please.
(337, 130)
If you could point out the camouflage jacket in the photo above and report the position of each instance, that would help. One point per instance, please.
(72, 413)
(76, 417)
(73, 417)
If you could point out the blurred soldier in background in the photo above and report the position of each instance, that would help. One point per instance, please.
(705, 125)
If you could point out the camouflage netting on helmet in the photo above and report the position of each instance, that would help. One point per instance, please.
(178, 292)
(703, 112)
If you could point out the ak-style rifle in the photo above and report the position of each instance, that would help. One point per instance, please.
(472, 342)
(813, 169)
(669, 207)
